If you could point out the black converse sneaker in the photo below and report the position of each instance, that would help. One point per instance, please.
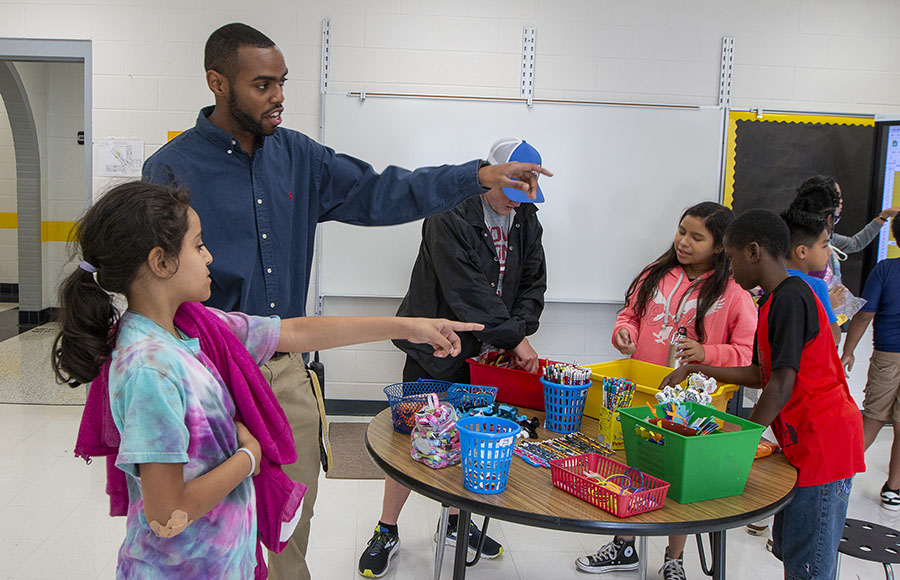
(890, 498)
(383, 546)
(490, 550)
(673, 568)
(616, 555)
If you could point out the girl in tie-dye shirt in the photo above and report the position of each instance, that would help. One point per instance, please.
(192, 511)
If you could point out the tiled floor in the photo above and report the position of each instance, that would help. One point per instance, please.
(53, 523)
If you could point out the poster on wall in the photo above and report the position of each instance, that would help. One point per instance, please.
(120, 157)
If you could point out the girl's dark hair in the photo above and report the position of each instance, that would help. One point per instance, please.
(818, 194)
(115, 236)
(715, 218)
(895, 228)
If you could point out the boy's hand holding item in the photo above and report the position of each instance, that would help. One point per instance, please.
(526, 357)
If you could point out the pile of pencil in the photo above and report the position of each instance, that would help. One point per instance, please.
(566, 374)
(617, 393)
(540, 453)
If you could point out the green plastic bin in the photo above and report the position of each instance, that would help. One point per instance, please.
(697, 468)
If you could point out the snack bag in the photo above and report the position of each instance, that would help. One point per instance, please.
(435, 439)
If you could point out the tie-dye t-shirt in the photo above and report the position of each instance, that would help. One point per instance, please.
(170, 406)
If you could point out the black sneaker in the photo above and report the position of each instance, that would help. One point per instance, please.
(375, 561)
(890, 498)
(490, 550)
(673, 568)
(616, 555)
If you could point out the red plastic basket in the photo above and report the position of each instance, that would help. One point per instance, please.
(515, 387)
(569, 475)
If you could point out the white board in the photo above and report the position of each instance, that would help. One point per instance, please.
(623, 176)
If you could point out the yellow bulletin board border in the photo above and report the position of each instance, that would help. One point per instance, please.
(763, 117)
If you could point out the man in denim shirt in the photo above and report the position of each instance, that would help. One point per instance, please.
(260, 190)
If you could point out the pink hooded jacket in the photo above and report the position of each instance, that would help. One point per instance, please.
(730, 323)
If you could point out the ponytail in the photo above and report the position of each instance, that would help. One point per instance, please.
(87, 319)
(114, 238)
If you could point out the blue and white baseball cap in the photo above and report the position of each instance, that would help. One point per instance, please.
(511, 149)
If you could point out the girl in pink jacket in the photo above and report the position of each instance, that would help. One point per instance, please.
(689, 291)
(686, 296)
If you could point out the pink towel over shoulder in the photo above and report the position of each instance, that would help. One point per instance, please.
(278, 498)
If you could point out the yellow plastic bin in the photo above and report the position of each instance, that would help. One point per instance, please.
(646, 378)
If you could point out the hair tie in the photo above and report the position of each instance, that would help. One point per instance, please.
(87, 267)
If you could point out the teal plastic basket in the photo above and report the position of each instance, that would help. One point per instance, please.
(486, 447)
(564, 406)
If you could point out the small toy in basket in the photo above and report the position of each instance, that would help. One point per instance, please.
(612, 486)
(467, 397)
(406, 399)
(435, 439)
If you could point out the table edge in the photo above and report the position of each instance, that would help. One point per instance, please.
(623, 527)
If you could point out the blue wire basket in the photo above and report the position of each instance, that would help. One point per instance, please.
(406, 399)
(486, 447)
(564, 406)
(466, 397)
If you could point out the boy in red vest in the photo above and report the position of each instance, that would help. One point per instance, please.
(805, 397)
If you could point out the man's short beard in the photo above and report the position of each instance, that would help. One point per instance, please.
(245, 121)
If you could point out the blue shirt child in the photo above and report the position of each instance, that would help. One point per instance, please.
(882, 291)
(820, 289)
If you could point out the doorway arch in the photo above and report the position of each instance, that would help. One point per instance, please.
(33, 308)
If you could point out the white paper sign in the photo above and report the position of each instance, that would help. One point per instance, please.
(120, 157)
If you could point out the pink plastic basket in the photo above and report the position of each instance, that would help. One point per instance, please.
(569, 474)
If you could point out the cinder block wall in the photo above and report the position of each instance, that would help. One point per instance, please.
(834, 56)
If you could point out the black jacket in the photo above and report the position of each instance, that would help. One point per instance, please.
(455, 276)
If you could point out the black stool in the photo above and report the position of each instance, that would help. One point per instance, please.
(871, 542)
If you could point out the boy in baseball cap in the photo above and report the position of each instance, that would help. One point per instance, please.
(512, 149)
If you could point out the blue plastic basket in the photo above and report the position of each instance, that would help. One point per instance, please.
(467, 396)
(564, 406)
(406, 399)
(486, 447)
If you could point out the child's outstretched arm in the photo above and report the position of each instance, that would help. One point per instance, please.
(308, 333)
(172, 504)
(858, 326)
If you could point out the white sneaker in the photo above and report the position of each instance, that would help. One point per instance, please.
(890, 498)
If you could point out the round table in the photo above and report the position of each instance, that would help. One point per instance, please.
(531, 499)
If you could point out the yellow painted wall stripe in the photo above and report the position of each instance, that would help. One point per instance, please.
(735, 116)
(56, 231)
(50, 231)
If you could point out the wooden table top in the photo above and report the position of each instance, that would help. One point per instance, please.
(531, 499)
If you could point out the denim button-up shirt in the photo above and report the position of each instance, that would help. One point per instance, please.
(259, 212)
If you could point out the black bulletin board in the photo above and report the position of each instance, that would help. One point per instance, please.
(768, 157)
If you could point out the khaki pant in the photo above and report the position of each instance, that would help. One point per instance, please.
(292, 387)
